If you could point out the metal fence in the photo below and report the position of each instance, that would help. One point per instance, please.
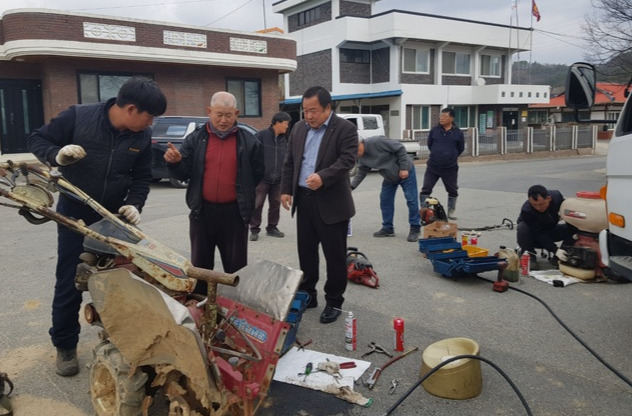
(501, 140)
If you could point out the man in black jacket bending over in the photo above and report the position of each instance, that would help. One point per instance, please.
(105, 150)
(539, 225)
(223, 163)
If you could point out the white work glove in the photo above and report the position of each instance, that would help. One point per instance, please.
(561, 254)
(70, 154)
(130, 213)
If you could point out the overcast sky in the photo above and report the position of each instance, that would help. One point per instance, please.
(557, 36)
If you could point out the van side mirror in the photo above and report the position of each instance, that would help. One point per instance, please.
(581, 84)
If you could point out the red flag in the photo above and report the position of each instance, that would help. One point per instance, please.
(534, 11)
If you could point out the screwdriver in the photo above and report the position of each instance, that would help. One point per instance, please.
(308, 370)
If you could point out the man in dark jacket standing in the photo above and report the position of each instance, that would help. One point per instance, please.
(446, 143)
(539, 225)
(321, 151)
(389, 157)
(104, 149)
(274, 143)
(224, 164)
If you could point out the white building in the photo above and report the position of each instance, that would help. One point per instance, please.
(407, 66)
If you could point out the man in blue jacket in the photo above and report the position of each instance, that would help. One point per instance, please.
(105, 150)
(446, 143)
(389, 157)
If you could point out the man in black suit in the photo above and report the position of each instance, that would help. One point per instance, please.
(322, 149)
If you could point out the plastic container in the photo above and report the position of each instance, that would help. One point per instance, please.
(511, 273)
(587, 211)
(460, 379)
(475, 251)
(294, 316)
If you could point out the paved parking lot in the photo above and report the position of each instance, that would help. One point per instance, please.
(556, 375)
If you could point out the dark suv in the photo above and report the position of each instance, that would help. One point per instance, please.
(173, 129)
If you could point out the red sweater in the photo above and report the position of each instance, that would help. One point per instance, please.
(220, 169)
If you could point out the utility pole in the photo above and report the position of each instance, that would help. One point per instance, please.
(263, 2)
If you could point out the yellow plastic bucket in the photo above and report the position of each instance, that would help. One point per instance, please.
(461, 379)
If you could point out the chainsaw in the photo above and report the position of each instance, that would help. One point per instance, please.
(360, 269)
(431, 210)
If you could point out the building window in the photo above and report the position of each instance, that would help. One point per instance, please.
(490, 65)
(94, 87)
(612, 115)
(308, 16)
(416, 60)
(355, 56)
(465, 116)
(538, 116)
(248, 95)
(456, 63)
(420, 117)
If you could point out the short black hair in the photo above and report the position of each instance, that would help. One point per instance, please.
(537, 190)
(324, 97)
(144, 94)
(448, 110)
(280, 117)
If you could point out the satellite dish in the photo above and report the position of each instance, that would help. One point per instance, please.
(480, 81)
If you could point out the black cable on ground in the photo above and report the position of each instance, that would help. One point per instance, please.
(590, 350)
(459, 357)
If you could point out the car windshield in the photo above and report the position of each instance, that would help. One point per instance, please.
(170, 130)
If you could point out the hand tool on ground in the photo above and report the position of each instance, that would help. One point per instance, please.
(375, 375)
(302, 345)
(376, 348)
(308, 371)
(394, 384)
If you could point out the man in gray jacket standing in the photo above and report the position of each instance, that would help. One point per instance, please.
(389, 157)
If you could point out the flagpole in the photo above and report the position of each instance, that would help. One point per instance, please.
(530, 43)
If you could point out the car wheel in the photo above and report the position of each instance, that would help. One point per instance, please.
(113, 389)
(176, 183)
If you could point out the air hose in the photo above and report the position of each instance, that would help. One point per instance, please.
(448, 361)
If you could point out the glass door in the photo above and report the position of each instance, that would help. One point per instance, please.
(20, 113)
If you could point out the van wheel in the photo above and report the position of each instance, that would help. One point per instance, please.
(112, 390)
(178, 183)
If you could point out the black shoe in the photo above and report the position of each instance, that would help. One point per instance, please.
(533, 262)
(67, 364)
(413, 235)
(274, 232)
(329, 315)
(313, 302)
(384, 233)
(254, 236)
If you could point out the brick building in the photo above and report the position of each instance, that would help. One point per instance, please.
(50, 59)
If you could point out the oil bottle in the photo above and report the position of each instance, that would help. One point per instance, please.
(511, 272)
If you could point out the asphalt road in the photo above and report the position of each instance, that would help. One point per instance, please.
(554, 373)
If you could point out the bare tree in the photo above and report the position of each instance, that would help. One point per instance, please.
(608, 32)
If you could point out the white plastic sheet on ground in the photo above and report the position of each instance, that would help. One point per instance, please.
(548, 276)
(294, 362)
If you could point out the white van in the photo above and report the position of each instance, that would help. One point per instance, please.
(615, 242)
(372, 125)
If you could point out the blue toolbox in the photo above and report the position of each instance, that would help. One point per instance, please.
(294, 318)
(450, 260)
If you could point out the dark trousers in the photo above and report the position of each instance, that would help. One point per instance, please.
(311, 231)
(273, 193)
(528, 241)
(67, 299)
(221, 226)
(448, 177)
